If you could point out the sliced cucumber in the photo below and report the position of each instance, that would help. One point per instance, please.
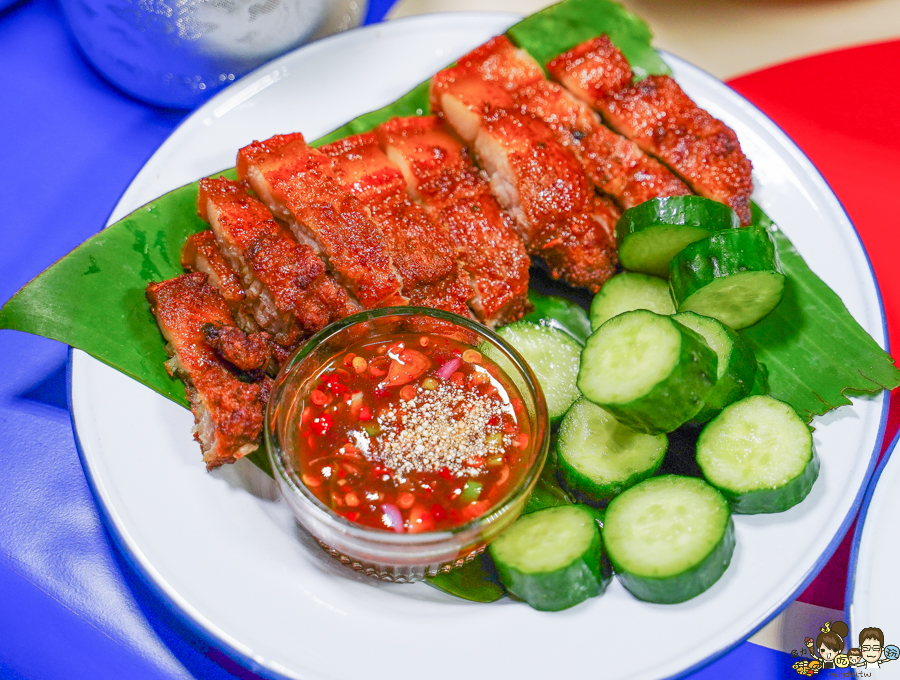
(759, 453)
(626, 292)
(649, 235)
(599, 457)
(553, 356)
(736, 366)
(669, 538)
(558, 312)
(732, 276)
(552, 559)
(760, 380)
(649, 371)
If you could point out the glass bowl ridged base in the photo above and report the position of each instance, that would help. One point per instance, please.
(394, 574)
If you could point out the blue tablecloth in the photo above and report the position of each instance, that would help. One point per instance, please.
(70, 607)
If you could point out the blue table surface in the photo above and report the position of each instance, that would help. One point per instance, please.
(70, 606)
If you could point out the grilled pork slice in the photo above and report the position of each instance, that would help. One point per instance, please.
(298, 185)
(201, 254)
(248, 352)
(614, 164)
(420, 249)
(535, 178)
(440, 175)
(657, 115)
(227, 405)
(287, 288)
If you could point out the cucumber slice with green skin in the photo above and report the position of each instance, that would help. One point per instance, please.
(759, 453)
(552, 310)
(650, 372)
(669, 538)
(626, 292)
(736, 366)
(732, 276)
(649, 235)
(599, 457)
(553, 355)
(552, 559)
(760, 380)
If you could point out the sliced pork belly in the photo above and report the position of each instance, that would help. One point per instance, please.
(201, 254)
(533, 176)
(440, 175)
(298, 185)
(287, 288)
(420, 249)
(657, 115)
(227, 404)
(248, 352)
(615, 165)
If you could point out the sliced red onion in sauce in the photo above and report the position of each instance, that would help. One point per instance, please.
(392, 518)
(448, 369)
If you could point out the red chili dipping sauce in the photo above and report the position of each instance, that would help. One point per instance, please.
(413, 433)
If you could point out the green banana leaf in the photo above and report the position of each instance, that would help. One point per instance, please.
(93, 298)
(808, 340)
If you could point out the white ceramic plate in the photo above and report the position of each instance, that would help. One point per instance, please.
(873, 596)
(226, 552)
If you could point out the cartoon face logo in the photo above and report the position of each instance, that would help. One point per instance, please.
(826, 653)
(871, 650)
(892, 652)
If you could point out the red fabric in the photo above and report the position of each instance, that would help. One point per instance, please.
(843, 109)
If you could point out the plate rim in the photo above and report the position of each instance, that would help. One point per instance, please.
(233, 648)
(855, 545)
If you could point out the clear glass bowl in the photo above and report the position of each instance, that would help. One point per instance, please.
(393, 556)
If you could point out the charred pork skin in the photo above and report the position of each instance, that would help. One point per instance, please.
(442, 178)
(662, 120)
(227, 404)
(287, 288)
(298, 185)
(421, 249)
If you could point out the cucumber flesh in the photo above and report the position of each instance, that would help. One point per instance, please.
(552, 559)
(651, 249)
(732, 276)
(736, 367)
(599, 457)
(553, 356)
(649, 235)
(759, 453)
(650, 372)
(739, 300)
(629, 291)
(669, 538)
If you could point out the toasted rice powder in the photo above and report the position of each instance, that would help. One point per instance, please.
(446, 427)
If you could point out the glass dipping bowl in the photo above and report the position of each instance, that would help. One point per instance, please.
(391, 556)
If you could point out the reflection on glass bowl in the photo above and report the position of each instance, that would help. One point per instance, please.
(178, 53)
